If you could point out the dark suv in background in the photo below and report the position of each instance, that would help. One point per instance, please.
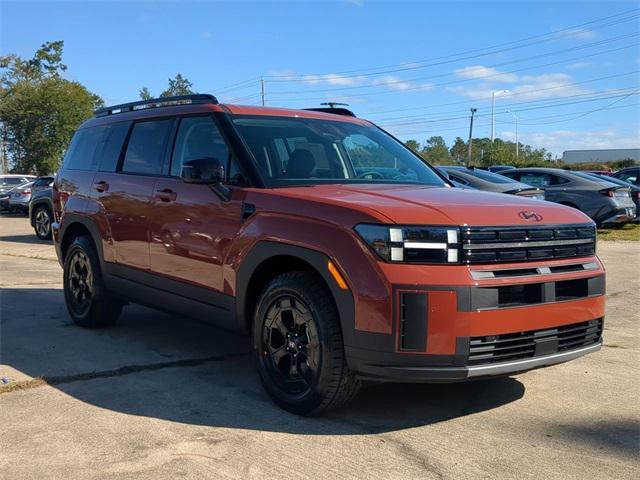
(604, 202)
(340, 251)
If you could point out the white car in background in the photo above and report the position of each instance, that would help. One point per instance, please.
(7, 182)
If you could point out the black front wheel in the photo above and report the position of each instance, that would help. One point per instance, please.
(298, 345)
(88, 302)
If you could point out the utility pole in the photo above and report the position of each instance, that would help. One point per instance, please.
(473, 111)
(262, 90)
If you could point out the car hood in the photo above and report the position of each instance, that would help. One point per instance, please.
(417, 204)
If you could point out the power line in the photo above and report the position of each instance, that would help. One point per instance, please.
(566, 32)
(510, 94)
(606, 93)
(462, 127)
(355, 95)
(526, 109)
(446, 74)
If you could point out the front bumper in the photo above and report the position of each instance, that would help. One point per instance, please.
(499, 325)
(444, 374)
(621, 215)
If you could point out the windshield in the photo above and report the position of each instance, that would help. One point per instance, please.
(293, 151)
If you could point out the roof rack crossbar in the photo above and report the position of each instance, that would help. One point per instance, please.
(155, 103)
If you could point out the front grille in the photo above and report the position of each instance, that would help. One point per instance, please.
(522, 345)
(516, 244)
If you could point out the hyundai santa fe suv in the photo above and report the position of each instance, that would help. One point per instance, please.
(343, 254)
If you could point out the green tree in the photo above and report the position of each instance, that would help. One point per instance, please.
(413, 145)
(458, 151)
(436, 151)
(178, 85)
(145, 94)
(39, 110)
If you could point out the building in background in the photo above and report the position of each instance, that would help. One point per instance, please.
(604, 155)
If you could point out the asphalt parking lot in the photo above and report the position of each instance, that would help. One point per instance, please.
(161, 396)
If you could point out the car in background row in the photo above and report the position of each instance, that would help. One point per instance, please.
(42, 183)
(9, 182)
(635, 191)
(490, 182)
(20, 197)
(630, 175)
(41, 212)
(500, 168)
(604, 202)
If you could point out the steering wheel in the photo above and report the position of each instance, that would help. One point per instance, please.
(373, 175)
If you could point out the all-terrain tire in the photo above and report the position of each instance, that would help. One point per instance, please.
(332, 384)
(88, 302)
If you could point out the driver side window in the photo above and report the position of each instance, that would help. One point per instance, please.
(198, 140)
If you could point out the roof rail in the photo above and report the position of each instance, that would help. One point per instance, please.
(336, 111)
(155, 103)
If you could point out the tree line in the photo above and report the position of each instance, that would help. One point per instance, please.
(484, 152)
(40, 109)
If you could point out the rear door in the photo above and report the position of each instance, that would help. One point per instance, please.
(193, 225)
(125, 195)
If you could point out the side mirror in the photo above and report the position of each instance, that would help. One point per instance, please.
(207, 170)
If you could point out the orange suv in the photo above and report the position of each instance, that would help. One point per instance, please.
(343, 254)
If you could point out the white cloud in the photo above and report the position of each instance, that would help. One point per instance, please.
(557, 141)
(578, 33)
(579, 65)
(396, 83)
(332, 79)
(480, 72)
(529, 87)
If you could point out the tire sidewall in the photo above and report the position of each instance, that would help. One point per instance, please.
(35, 216)
(84, 245)
(306, 402)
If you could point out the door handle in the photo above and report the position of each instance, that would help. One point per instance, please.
(101, 186)
(166, 195)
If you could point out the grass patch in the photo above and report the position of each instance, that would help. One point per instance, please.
(631, 231)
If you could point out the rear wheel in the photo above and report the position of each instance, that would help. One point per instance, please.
(298, 346)
(87, 300)
(42, 222)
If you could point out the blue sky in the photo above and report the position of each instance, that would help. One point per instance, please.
(570, 68)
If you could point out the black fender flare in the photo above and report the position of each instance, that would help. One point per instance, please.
(74, 218)
(264, 250)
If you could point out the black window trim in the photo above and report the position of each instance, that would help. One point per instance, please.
(173, 138)
(125, 146)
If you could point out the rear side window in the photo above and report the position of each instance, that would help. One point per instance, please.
(83, 151)
(12, 181)
(112, 146)
(146, 148)
(630, 176)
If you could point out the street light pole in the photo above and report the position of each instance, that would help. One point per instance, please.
(473, 111)
(517, 141)
(493, 112)
(262, 90)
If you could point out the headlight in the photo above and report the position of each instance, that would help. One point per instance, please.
(412, 244)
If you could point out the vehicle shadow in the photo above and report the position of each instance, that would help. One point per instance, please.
(167, 367)
(30, 239)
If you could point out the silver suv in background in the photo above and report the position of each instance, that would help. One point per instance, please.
(8, 182)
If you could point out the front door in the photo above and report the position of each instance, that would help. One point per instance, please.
(193, 225)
